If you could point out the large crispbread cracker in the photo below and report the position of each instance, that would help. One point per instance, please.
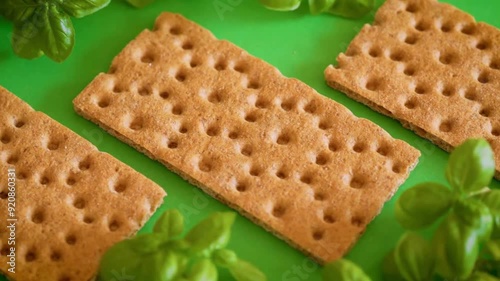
(288, 158)
(72, 201)
(432, 67)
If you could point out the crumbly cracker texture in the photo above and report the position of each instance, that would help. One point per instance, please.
(72, 202)
(295, 162)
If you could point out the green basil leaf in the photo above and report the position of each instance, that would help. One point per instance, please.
(456, 248)
(421, 205)
(476, 215)
(281, 5)
(140, 3)
(27, 38)
(390, 268)
(203, 270)
(58, 35)
(245, 271)
(82, 8)
(159, 266)
(170, 224)
(224, 258)
(352, 8)
(492, 200)
(18, 10)
(414, 258)
(471, 166)
(211, 234)
(146, 243)
(119, 260)
(482, 276)
(493, 249)
(343, 270)
(319, 6)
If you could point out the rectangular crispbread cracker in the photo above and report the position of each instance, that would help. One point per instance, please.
(72, 202)
(295, 162)
(432, 67)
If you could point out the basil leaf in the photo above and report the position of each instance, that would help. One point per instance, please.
(456, 248)
(343, 270)
(471, 166)
(145, 243)
(421, 205)
(492, 200)
(160, 266)
(224, 258)
(414, 258)
(390, 268)
(352, 8)
(476, 215)
(57, 33)
(493, 248)
(18, 10)
(120, 260)
(211, 234)
(140, 3)
(170, 224)
(319, 6)
(203, 270)
(244, 271)
(26, 38)
(281, 5)
(82, 8)
(482, 276)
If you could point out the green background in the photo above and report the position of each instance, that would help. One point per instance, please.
(299, 44)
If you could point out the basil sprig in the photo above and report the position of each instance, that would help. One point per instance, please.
(465, 245)
(44, 26)
(166, 256)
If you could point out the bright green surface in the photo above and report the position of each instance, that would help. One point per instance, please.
(299, 44)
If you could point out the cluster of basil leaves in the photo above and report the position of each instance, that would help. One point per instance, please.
(45, 27)
(343, 8)
(164, 256)
(466, 243)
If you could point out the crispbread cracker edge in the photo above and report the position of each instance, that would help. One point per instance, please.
(145, 107)
(73, 202)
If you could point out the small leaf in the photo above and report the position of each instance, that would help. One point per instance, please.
(352, 8)
(245, 271)
(414, 258)
(159, 266)
(390, 268)
(212, 233)
(171, 224)
(319, 6)
(57, 33)
(471, 166)
(492, 200)
(82, 8)
(281, 5)
(26, 40)
(456, 248)
(476, 215)
(18, 11)
(203, 270)
(224, 258)
(121, 260)
(146, 243)
(421, 205)
(140, 3)
(343, 270)
(482, 276)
